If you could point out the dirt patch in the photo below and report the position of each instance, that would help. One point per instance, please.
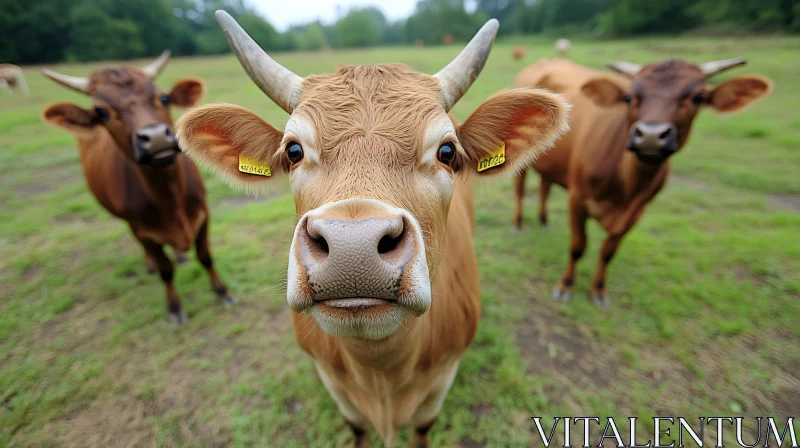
(551, 345)
(46, 182)
(466, 442)
(480, 409)
(780, 201)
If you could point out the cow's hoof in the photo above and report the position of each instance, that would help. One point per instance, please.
(180, 257)
(151, 266)
(601, 300)
(561, 295)
(227, 301)
(178, 318)
(543, 222)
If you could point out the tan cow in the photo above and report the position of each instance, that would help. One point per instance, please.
(624, 129)
(382, 275)
(134, 167)
(562, 47)
(518, 52)
(12, 76)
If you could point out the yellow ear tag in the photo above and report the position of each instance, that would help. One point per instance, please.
(497, 158)
(250, 166)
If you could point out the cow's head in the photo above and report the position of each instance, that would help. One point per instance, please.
(372, 158)
(130, 106)
(664, 97)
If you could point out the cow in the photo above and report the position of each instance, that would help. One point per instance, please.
(382, 278)
(12, 76)
(625, 127)
(562, 47)
(134, 167)
(518, 52)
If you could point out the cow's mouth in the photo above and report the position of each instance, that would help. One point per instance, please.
(355, 303)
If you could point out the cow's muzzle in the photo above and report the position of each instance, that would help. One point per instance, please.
(653, 141)
(359, 266)
(155, 145)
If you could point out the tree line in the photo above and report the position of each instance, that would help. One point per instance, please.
(39, 31)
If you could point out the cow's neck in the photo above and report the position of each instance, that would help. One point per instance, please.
(164, 184)
(389, 354)
(639, 176)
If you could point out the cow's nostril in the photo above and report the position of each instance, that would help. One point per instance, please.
(637, 133)
(143, 138)
(388, 244)
(320, 244)
(666, 133)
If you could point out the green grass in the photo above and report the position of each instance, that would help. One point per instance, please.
(705, 288)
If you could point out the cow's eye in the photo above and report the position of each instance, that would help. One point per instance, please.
(102, 114)
(628, 98)
(164, 99)
(699, 99)
(294, 152)
(447, 153)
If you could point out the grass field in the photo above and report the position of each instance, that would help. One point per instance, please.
(706, 291)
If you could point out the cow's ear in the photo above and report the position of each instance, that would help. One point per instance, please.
(512, 128)
(603, 92)
(187, 92)
(737, 93)
(237, 145)
(74, 119)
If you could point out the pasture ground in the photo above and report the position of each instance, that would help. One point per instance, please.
(705, 290)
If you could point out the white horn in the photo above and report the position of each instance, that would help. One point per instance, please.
(73, 82)
(712, 68)
(155, 68)
(455, 78)
(626, 68)
(279, 83)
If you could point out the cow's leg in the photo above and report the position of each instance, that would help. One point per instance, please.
(607, 252)
(150, 263)
(4, 86)
(23, 86)
(577, 245)
(544, 192)
(360, 436)
(165, 268)
(204, 255)
(519, 189)
(420, 438)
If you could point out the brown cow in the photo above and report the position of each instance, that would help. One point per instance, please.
(12, 76)
(518, 52)
(134, 167)
(382, 275)
(624, 128)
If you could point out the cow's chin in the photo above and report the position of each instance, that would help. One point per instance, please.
(374, 322)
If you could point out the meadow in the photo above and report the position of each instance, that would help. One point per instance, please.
(706, 292)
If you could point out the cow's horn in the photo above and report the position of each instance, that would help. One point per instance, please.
(154, 68)
(278, 82)
(73, 82)
(712, 68)
(626, 68)
(455, 78)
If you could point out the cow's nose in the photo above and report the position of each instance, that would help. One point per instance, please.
(355, 259)
(653, 136)
(154, 138)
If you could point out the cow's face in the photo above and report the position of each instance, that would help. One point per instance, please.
(130, 107)
(372, 159)
(663, 99)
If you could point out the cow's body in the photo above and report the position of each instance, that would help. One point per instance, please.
(518, 52)
(407, 386)
(11, 76)
(623, 130)
(135, 169)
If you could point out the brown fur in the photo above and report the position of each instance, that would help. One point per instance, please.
(162, 205)
(605, 181)
(369, 124)
(518, 52)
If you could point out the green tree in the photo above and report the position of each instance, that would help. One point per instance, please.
(359, 28)
(96, 36)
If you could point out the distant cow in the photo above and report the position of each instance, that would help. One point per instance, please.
(11, 76)
(382, 275)
(562, 47)
(518, 52)
(448, 39)
(133, 165)
(624, 129)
